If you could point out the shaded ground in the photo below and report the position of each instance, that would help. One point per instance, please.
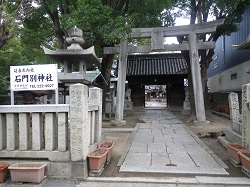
(217, 126)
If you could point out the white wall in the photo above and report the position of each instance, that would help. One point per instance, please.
(222, 82)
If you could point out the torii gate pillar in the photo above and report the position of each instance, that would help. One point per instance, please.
(122, 67)
(196, 78)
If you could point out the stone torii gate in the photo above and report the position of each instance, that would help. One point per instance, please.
(157, 45)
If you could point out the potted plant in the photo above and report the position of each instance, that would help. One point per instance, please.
(233, 149)
(27, 172)
(245, 159)
(3, 171)
(108, 146)
(97, 158)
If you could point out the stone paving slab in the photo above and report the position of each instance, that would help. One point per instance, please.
(143, 139)
(159, 159)
(157, 148)
(194, 149)
(204, 160)
(173, 170)
(161, 139)
(168, 131)
(156, 132)
(172, 148)
(137, 159)
(181, 160)
(138, 148)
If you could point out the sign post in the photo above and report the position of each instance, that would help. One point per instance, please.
(33, 77)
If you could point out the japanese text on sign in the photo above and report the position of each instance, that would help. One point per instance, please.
(34, 77)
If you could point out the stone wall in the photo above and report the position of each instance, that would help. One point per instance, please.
(59, 135)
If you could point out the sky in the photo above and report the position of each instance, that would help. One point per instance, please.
(178, 22)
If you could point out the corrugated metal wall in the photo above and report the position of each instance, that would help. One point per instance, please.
(225, 56)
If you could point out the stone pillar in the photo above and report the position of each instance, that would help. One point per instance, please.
(24, 131)
(12, 132)
(196, 77)
(37, 135)
(79, 134)
(234, 112)
(62, 132)
(121, 83)
(79, 130)
(2, 131)
(95, 97)
(50, 129)
(246, 115)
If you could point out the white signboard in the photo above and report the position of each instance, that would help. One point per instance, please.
(33, 77)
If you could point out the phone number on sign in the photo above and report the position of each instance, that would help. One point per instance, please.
(45, 85)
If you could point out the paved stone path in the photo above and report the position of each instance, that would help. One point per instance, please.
(164, 145)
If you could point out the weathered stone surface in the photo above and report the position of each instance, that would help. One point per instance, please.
(62, 131)
(160, 159)
(24, 131)
(138, 148)
(138, 159)
(12, 131)
(2, 131)
(78, 116)
(50, 131)
(157, 148)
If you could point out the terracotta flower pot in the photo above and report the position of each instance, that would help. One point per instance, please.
(233, 149)
(245, 159)
(97, 158)
(108, 146)
(3, 171)
(27, 172)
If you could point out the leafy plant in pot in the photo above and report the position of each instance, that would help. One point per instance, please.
(97, 158)
(108, 146)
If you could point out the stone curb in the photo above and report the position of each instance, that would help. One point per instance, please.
(176, 180)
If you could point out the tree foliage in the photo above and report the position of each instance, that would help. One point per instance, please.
(103, 22)
(12, 13)
(11, 54)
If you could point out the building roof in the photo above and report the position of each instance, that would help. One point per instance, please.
(244, 45)
(156, 64)
(92, 77)
(96, 77)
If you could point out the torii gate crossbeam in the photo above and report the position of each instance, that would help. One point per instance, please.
(157, 44)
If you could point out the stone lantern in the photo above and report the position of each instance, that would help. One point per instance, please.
(74, 59)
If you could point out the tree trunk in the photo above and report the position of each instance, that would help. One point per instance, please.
(57, 26)
(206, 59)
(106, 66)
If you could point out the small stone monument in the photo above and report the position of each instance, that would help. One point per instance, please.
(186, 103)
(108, 105)
(246, 115)
(235, 112)
(128, 104)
